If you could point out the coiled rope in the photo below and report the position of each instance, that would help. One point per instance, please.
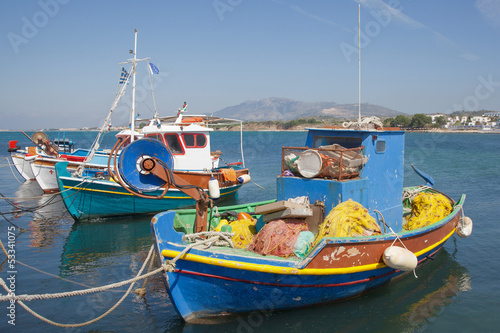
(365, 124)
(412, 193)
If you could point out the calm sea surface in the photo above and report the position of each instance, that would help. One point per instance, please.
(459, 291)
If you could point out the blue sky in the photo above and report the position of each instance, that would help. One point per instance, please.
(61, 57)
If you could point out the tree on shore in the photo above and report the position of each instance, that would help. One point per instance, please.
(420, 120)
(440, 121)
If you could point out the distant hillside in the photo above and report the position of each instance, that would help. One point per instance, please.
(274, 108)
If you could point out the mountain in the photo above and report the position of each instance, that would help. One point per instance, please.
(275, 108)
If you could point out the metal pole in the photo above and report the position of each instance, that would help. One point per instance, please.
(132, 113)
(359, 63)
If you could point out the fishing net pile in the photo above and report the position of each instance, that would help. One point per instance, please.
(347, 219)
(243, 228)
(426, 209)
(278, 237)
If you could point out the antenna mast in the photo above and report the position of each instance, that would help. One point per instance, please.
(359, 63)
(132, 112)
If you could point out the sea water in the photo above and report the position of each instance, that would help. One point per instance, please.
(457, 291)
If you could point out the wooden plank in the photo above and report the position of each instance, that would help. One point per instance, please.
(277, 206)
(290, 212)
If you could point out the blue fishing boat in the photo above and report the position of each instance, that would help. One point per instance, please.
(342, 224)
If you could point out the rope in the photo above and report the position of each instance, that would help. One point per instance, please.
(26, 297)
(142, 291)
(258, 185)
(38, 270)
(366, 123)
(13, 173)
(197, 238)
(411, 194)
(397, 237)
(138, 277)
(164, 267)
(169, 265)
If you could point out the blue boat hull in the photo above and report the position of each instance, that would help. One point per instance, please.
(216, 282)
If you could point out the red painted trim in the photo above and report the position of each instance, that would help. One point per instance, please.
(195, 140)
(286, 285)
(302, 285)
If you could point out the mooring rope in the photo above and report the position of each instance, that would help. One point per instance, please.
(13, 173)
(168, 266)
(138, 277)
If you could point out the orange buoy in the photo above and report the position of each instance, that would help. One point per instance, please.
(244, 216)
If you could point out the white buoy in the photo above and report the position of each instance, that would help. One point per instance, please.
(400, 258)
(464, 227)
(213, 188)
(243, 179)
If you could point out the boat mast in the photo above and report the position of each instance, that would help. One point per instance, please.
(132, 112)
(359, 63)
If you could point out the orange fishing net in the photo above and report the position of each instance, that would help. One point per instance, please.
(228, 175)
(278, 237)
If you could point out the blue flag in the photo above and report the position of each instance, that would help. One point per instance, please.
(124, 76)
(153, 68)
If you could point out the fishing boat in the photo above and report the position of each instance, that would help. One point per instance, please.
(342, 224)
(37, 162)
(21, 158)
(102, 195)
(188, 141)
(43, 168)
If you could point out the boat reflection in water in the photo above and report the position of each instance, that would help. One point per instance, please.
(101, 243)
(49, 220)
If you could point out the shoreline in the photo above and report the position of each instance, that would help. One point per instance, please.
(251, 128)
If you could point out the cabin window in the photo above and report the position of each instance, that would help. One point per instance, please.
(345, 142)
(156, 136)
(174, 144)
(194, 140)
(380, 146)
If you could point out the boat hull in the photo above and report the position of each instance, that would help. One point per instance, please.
(89, 198)
(22, 164)
(45, 174)
(209, 283)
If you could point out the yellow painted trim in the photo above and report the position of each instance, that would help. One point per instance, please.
(287, 270)
(123, 193)
(435, 244)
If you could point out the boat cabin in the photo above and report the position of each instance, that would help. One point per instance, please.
(340, 164)
(188, 141)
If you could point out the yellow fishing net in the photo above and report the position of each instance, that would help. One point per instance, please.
(244, 230)
(426, 209)
(347, 219)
